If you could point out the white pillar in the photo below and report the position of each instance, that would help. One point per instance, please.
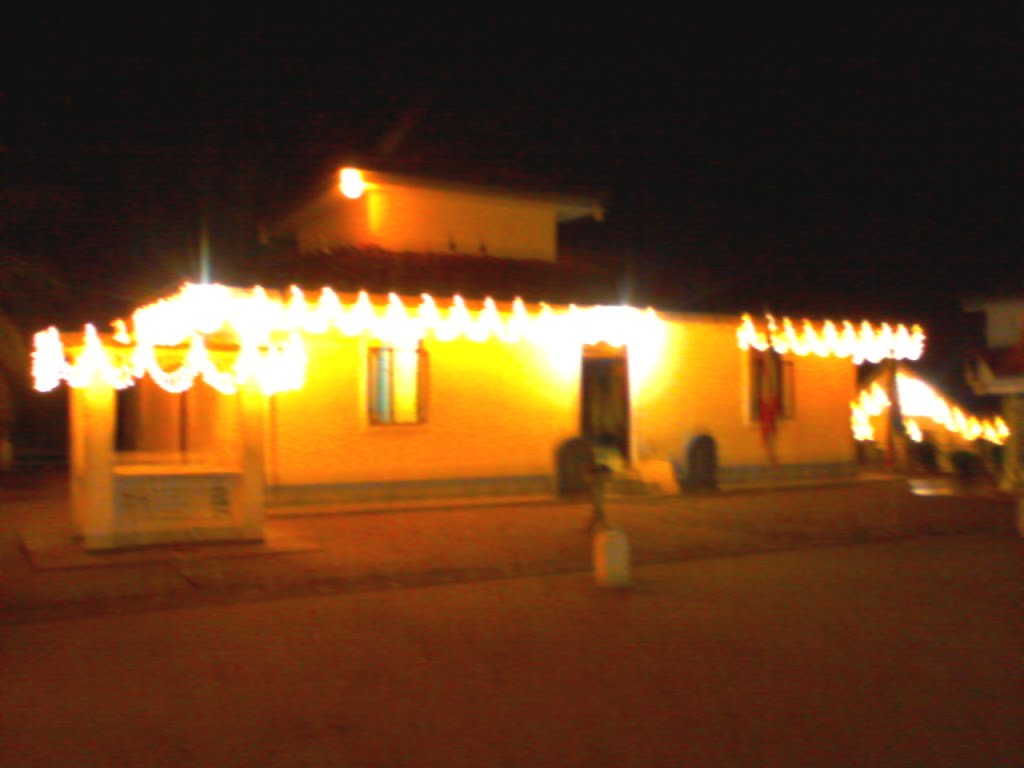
(93, 413)
(251, 507)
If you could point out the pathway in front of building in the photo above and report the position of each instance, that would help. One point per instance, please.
(45, 575)
(893, 653)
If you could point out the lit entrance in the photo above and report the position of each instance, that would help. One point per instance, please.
(604, 403)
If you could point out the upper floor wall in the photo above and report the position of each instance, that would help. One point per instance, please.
(390, 212)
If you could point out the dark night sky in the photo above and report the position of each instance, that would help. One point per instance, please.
(860, 165)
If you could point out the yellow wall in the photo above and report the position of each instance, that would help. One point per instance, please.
(502, 409)
(160, 422)
(495, 409)
(399, 218)
(212, 424)
(698, 385)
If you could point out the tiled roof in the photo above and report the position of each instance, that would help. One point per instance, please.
(450, 169)
(352, 269)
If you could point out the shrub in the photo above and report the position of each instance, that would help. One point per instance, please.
(966, 465)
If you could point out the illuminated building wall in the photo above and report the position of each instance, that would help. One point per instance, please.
(394, 214)
(701, 388)
(501, 409)
(198, 423)
(500, 390)
(493, 409)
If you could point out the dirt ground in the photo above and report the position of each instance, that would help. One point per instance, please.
(899, 652)
(44, 574)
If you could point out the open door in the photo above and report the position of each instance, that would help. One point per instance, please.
(604, 400)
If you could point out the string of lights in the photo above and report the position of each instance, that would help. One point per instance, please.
(267, 334)
(920, 401)
(863, 342)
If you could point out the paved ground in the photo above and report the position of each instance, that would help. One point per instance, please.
(903, 652)
(45, 575)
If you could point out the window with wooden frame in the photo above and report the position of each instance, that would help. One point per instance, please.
(397, 383)
(771, 386)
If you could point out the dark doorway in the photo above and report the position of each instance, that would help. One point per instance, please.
(604, 398)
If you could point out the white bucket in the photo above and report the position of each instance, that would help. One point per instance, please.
(611, 558)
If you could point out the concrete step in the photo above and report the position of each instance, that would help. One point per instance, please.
(630, 483)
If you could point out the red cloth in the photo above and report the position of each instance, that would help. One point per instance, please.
(770, 405)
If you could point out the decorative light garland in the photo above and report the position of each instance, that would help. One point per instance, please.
(863, 342)
(268, 335)
(920, 401)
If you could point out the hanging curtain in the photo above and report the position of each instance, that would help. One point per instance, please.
(770, 406)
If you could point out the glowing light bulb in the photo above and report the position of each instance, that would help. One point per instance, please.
(352, 183)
